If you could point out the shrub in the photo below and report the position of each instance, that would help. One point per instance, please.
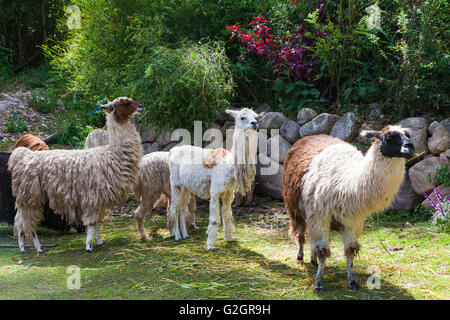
(15, 124)
(41, 103)
(190, 83)
(74, 134)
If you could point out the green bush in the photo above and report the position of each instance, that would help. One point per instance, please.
(186, 84)
(15, 124)
(41, 103)
(74, 134)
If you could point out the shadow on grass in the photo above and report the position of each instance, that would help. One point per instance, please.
(189, 271)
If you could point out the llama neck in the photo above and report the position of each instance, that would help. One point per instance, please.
(381, 177)
(122, 134)
(243, 151)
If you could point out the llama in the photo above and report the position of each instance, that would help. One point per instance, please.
(153, 188)
(7, 210)
(153, 184)
(213, 174)
(97, 138)
(31, 142)
(7, 200)
(329, 184)
(81, 184)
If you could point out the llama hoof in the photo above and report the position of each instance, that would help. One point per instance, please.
(318, 288)
(231, 239)
(25, 250)
(354, 286)
(185, 238)
(212, 249)
(314, 264)
(42, 251)
(90, 250)
(300, 261)
(100, 243)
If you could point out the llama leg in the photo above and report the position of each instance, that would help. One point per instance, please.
(141, 212)
(139, 215)
(192, 207)
(37, 245)
(184, 201)
(22, 242)
(227, 216)
(90, 233)
(97, 234)
(351, 248)
(319, 248)
(301, 242)
(213, 223)
(174, 203)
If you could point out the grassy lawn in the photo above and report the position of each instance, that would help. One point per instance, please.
(413, 263)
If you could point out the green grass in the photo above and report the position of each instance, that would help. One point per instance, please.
(260, 265)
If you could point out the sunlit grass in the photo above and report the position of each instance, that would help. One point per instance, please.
(413, 263)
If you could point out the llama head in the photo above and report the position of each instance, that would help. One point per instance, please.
(395, 141)
(122, 108)
(245, 119)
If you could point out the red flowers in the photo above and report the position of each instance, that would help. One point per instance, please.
(294, 54)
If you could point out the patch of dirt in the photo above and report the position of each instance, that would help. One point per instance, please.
(15, 105)
(262, 214)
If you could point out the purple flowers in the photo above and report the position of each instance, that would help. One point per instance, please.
(440, 201)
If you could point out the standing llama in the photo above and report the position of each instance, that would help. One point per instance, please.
(81, 184)
(329, 184)
(153, 189)
(153, 183)
(213, 174)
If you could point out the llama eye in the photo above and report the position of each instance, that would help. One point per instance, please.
(242, 118)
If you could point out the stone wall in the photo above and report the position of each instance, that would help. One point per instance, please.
(431, 139)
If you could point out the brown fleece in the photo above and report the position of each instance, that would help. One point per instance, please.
(295, 166)
(214, 157)
(31, 142)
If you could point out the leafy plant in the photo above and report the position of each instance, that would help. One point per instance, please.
(442, 175)
(74, 134)
(189, 83)
(41, 103)
(15, 123)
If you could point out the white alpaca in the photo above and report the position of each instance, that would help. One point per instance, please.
(214, 174)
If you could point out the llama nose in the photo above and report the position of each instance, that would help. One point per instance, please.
(254, 124)
(408, 148)
(140, 108)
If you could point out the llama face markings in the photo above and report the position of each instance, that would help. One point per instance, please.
(123, 108)
(395, 141)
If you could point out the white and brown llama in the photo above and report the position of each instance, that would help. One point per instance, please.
(213, 174)
(329, 185)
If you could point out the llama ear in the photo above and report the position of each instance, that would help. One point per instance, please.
(109, 106)
(369, 134)
(233, 113)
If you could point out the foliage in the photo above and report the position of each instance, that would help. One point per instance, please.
(41, 103)
(24, 26)
(15, 123)
(187, 84)
(350, 54)
(442, 175)
(74, 134)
